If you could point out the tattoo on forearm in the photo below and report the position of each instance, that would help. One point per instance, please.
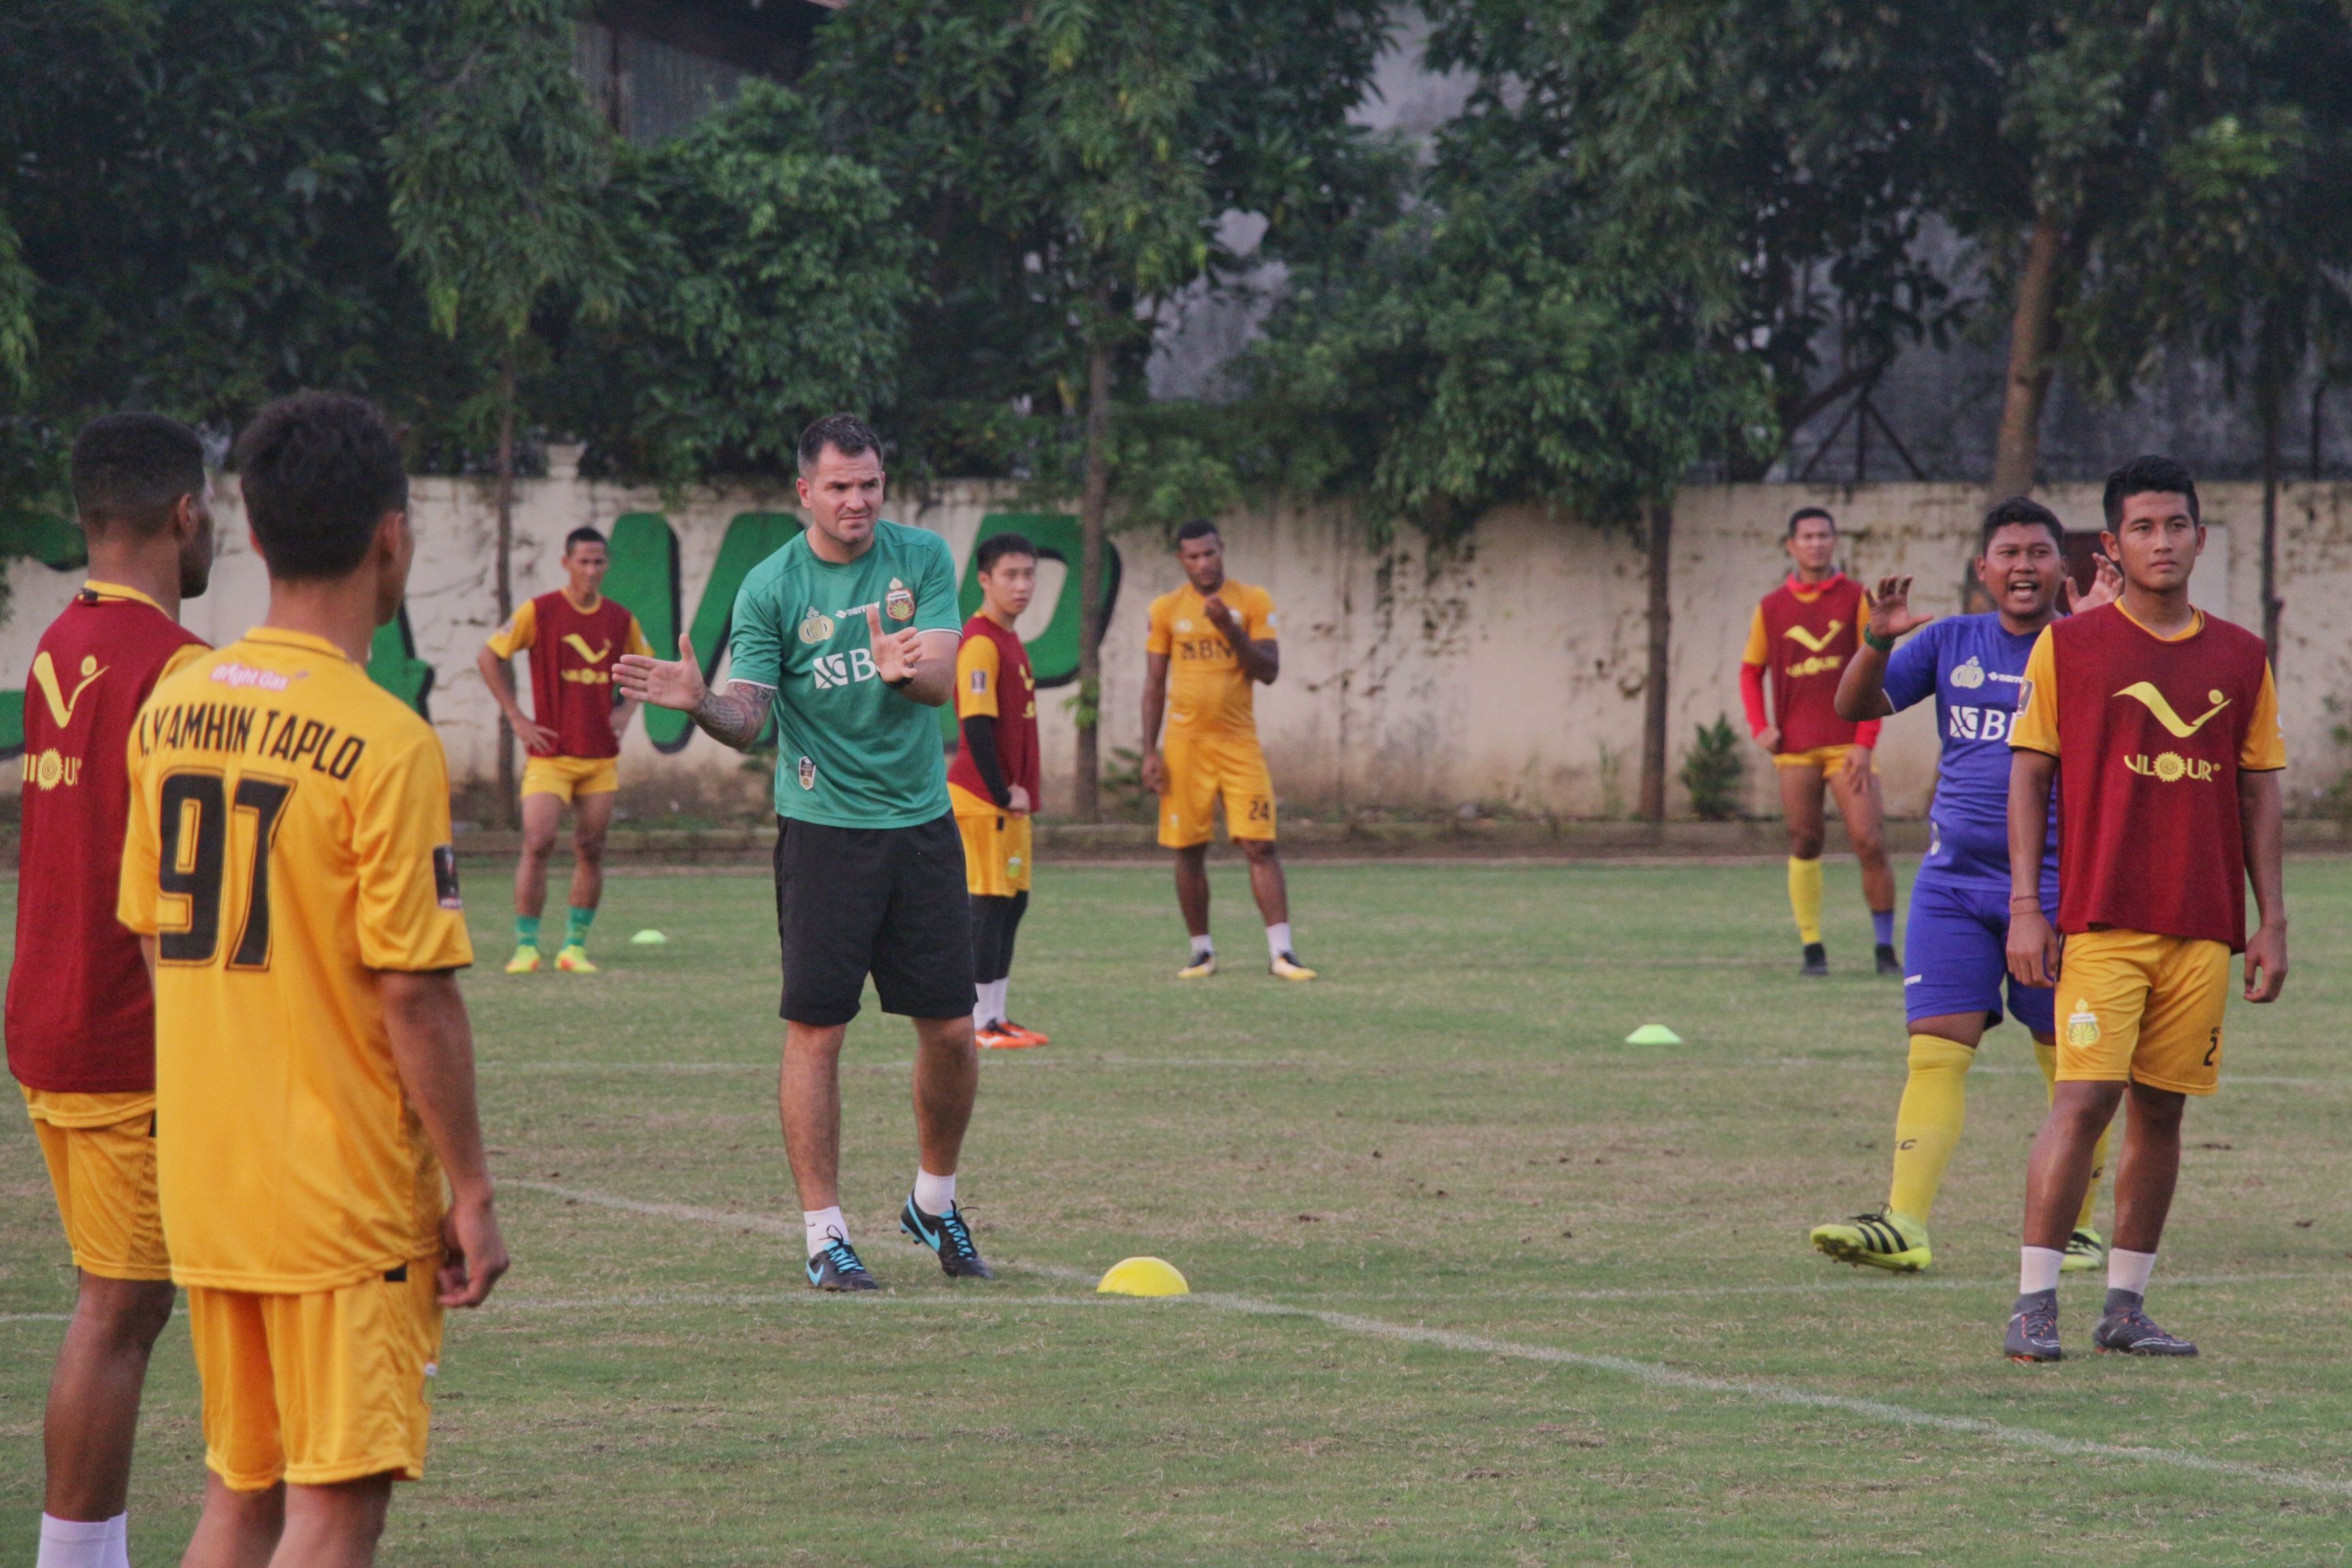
(735, 716)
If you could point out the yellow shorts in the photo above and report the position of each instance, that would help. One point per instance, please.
(100, 1150)
(317, 1388)
(1204, 769)
(2142, 1008)
(564, 777)
(1831, 760)
(996, 846)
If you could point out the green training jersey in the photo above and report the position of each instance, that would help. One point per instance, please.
(850, 752)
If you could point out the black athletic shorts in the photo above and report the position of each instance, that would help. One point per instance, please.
(884, 902)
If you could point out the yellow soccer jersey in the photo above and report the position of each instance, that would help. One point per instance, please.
(1208, 691)
(288, 837)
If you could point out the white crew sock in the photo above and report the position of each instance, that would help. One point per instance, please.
(2037, 1269)
(2129, 1270)
(933, 1194)
(823, 1226)
(1202, 948)
(993, 994)
(981, 1017)
(118, 1542)
(1004, 1007)
(1277, 938)
(76, 1544)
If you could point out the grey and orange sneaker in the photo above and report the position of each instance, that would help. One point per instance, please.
(2126, 1330)
(2033, 1328)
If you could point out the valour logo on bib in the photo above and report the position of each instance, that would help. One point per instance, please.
(2145, 693)
(1969, 676)
(816, 626)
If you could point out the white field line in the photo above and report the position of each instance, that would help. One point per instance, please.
(1651, 1373)
(1296, 1064)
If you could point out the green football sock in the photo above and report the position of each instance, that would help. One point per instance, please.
(526, 930)
(576, 927)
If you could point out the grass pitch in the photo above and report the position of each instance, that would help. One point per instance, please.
(1476, 1283)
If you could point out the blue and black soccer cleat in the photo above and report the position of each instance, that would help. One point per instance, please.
(949, 1238)
(837, 1268)
(2126, 1330)
(2034, 1329)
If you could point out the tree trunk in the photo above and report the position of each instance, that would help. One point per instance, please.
(2032, 336)
(2270, 397)
(1087, 799)
(1661, 521)
(505, 569)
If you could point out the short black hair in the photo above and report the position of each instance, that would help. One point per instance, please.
(320, 470)
(2149, 476)
(844, 433)
(130, 469)
(1803, 513)
(1199, 528)
(2019, 510)
(583, 536)
(997, 546)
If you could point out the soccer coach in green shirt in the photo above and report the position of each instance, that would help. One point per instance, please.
(848, 635)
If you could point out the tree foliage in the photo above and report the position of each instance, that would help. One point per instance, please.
(770, 281)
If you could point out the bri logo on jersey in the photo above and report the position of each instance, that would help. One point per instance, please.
(1978, 723)
(833, 669)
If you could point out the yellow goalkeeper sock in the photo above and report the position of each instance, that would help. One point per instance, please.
(1927, 1124)
(2046, 1058)
(1805, 898)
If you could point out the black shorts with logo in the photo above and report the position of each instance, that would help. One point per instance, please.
(888, 901)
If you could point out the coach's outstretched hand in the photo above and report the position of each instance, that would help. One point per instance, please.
(897, 655)
(2106, 587)
(665, 682)
(1891, 614)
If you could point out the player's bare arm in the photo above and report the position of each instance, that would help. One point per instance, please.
(501, 681)
(733, 716)
(1862, 691)
(2033, 948)
(1261, 661)
(2259, 812)
(432, 1049)
(920, 666)
(1155, 708)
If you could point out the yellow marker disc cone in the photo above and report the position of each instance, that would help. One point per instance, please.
(1143, 1277)
(1653, 1034)
(648, 938)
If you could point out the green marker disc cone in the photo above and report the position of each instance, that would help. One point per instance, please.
(648, 938)
(1653, 1034)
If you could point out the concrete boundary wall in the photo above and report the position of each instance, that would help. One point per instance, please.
(1507, 670)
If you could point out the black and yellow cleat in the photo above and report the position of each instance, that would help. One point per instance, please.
(2085, 1249)
(1880, 1240)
